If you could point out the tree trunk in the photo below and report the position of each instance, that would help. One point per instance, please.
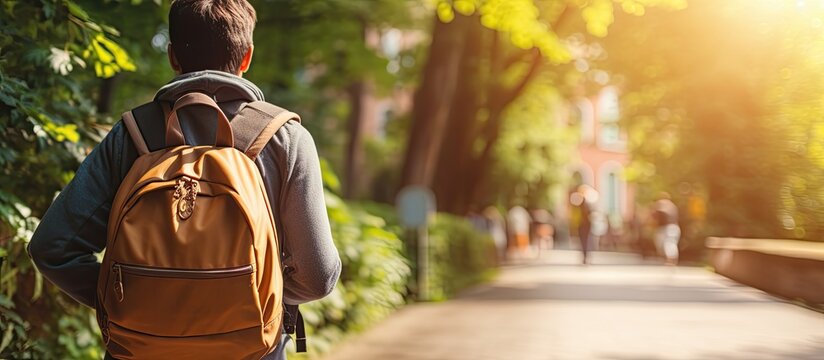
(500, 98)
(354, 150)
(463, 117)
(460, 103)
(106, 96)
(433, 101)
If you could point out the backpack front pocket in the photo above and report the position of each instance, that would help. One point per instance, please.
(182, 303)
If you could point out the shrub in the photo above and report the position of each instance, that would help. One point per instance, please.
(459, 256)
(373, 278)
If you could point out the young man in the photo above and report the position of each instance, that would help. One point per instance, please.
(211, 47)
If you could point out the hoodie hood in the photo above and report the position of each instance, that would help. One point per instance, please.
(223, 86)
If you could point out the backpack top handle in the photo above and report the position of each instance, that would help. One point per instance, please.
(174, 133)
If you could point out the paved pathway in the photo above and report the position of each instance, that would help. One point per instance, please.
(616, 309)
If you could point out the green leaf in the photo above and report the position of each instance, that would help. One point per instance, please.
(62, 133)
(77, 11)
(110, 30)
(9, 275)
(6, 302)
(8, 100)
(93, 26)
(23, 210)
(38, 286)
(7, 337)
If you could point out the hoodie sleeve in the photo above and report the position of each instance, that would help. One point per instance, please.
(291, 169)
(73, 229)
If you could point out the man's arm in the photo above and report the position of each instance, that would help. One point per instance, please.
(312, 265)
(73, 229)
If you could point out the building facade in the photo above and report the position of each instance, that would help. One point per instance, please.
(600, 161)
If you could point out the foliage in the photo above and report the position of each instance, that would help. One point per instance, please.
(48, 50)
(484, 56)
(712, 120)
(145, 38)
(308, 52)
(794, 105)
(459, 256)
(376, 269)
(534, 148)
(374, 277)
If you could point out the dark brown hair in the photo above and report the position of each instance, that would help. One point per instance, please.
(211, 34)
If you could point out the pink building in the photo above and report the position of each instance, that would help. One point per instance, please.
(602, 157)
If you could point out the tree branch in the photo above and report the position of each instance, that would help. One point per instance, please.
(494, 53)
(562, 19)
(509, 96)
(515, 58)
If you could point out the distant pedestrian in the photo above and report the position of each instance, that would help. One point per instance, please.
(583, 200)
(517, 222)
(543, 230)
(667, 231)
(497, 229)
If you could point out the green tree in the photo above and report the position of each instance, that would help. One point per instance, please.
(48, 50)
(483, 56)
(725, 107)
(316, 59)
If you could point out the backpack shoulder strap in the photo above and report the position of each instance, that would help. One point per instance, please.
(256, 123)
(253, 126)
(146, 126)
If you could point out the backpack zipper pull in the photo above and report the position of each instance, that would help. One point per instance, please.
(186, 193)
(118, 283)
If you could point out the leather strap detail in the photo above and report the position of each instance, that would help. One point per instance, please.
(256, 123)
(268, 132)
(174, 133)
(134, 132)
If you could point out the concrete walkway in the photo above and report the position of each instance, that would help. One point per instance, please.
(617, 308)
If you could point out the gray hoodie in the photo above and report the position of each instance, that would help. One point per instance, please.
(73, 229)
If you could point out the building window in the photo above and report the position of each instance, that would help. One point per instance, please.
(613, 192)
(610, 134)
(582, 115)
(614, 195)
(608, 108)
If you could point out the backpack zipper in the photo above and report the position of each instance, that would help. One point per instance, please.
(119, 269)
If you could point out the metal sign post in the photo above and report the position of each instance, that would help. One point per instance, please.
(416, 206)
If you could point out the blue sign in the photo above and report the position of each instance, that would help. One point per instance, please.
(416, 205)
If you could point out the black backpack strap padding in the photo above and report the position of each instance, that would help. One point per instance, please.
(150, 119)
(256, 123)
(252, 127)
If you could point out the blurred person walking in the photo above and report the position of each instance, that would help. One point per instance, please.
(583, 200)
(497, 229)
(517, 222)
(543, 230)
(667, 231)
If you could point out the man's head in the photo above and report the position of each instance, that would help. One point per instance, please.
(211, 35)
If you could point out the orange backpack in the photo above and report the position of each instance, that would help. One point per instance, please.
(192, 264)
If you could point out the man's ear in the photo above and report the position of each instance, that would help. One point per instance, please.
(246, 62)
(173, 60)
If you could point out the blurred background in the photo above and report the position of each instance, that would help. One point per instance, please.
(541, 127)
